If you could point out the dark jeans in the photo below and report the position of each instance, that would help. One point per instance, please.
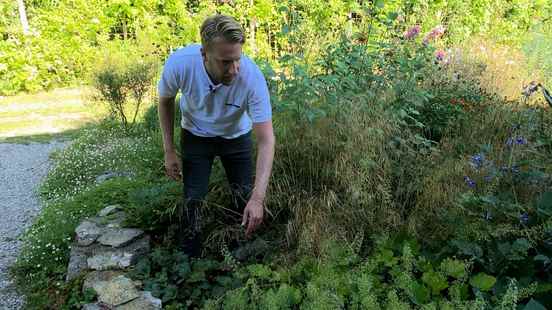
(198, 154)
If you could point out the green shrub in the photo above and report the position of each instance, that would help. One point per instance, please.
(120, 83)
(151, 117)
(152, 207)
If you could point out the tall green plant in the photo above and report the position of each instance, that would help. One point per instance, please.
(120, 84)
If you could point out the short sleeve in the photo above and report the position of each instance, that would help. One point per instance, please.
(259, 107)
(169, 82)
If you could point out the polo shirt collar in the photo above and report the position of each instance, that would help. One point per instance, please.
(210, 85)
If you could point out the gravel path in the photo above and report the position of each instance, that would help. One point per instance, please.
(22, 168)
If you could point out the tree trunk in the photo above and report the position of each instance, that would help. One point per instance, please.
(252, 24)
(124, 30)
(23, 17)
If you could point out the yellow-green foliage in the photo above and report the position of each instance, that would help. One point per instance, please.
(67, 36)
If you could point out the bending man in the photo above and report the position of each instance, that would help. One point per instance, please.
(224, 97)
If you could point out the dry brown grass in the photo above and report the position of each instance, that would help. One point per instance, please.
(340, 176)
(346, 175)
(502, 70)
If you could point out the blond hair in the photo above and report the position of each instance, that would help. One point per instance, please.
(221, 26)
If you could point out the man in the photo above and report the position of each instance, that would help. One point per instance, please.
(224, 97)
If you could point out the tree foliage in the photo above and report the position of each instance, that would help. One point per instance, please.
(67, 36)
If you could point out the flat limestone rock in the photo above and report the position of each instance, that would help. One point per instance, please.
(99, 276)
(101, 257)
(116, 220)
(87, 232)
(110, 260)
(145, 302)
(109, 210)
(118, 237)
(77, 262)
(112, 288)
(112, 220)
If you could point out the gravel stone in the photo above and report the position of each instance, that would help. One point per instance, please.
(22, 169)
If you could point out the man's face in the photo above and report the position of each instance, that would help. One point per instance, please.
(222, 60)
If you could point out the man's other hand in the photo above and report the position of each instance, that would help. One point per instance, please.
(252, 216)
(173, 166)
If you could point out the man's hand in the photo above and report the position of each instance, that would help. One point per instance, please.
(173, 167)
(252, 216)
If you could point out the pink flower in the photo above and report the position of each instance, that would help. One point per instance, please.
(412, 32)
(435, 33)
(440, 55)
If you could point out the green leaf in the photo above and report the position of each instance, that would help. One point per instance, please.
(461, 289)
(454, 268)
(519, 249)
(169, 293)
(260, 271)
(420, 293)
(483, 281)
(542, 258)
(183, 269)
(435, 280)
(544, 206)
(379, 4)
(196, 276)
(392, 16)
(468, 248)
(534, 305)
(387, 258)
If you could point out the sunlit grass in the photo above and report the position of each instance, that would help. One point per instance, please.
(46, 115)
(53, 96)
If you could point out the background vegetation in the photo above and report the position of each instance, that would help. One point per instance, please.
(410, 171)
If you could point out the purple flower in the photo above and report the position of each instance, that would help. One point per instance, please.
(412, 32)
(440, 55)
(476, 161)
(469, 181)
(521, 140)
(435, 33)
(488, 178)
(524, 218)
(509, 142)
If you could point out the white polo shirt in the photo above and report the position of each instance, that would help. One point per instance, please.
(210, 110)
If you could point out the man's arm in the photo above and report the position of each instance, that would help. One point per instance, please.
(166, 119)
(253, 213)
